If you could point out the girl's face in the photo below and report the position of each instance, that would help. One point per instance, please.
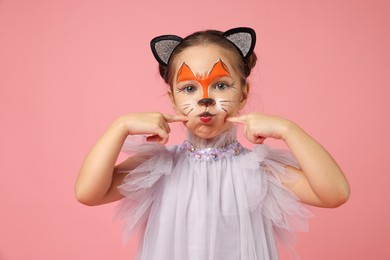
(207, 89)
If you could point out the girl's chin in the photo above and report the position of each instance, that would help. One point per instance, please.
(207, 130)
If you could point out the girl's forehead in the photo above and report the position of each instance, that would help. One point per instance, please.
(201, 59)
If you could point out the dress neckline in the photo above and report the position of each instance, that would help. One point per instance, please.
(211, 154)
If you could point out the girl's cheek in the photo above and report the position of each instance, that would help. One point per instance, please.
(178, 106)
(185, 106)
(218, 105)
(193, 120)
(191, 124)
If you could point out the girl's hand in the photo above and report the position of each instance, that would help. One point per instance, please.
(99, 177)
(323, 183)
(258, 126)
(154, 124)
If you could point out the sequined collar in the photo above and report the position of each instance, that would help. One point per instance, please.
(211, 154)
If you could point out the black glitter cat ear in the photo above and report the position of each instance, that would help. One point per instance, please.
(163, 46)
(243, 38)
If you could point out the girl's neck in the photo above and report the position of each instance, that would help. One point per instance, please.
(222, 140)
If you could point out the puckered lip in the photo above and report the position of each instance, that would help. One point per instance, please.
(205, 114)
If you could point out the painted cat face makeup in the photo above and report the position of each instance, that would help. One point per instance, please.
(207, 90)
(219, 70)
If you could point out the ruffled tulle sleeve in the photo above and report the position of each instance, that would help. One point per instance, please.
(140, 185)
(279, 206)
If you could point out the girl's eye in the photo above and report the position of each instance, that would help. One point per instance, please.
(221, 86)
(188, 88)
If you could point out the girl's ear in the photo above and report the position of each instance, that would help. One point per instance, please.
(244, 38)
(163, 46)
(172, 98)
(244, 97)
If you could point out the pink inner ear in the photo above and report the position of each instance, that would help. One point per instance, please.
(219, 70)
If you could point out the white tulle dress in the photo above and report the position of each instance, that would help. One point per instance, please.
(217, 202)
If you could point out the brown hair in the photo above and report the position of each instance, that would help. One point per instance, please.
(241, 65)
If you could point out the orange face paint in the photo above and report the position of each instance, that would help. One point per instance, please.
(219, 70)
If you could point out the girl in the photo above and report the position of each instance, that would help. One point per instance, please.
(210, 198)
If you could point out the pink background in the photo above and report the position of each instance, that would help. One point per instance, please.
(69, 67)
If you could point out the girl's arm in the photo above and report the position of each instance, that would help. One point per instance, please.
(99, 177)
(323, 183)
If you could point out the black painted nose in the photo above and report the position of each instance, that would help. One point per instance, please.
(206, 102)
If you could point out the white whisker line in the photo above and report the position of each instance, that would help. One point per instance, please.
(229, 101)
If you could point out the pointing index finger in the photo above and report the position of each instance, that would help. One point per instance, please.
(237, 119)
(175, 118)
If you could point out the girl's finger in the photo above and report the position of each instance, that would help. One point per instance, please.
(153, 138)
(163, 135)
(165, 126)
(259, 140)
(237, 119)
(253, 137)
(174, 118)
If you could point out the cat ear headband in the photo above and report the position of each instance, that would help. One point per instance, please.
(243, 38)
